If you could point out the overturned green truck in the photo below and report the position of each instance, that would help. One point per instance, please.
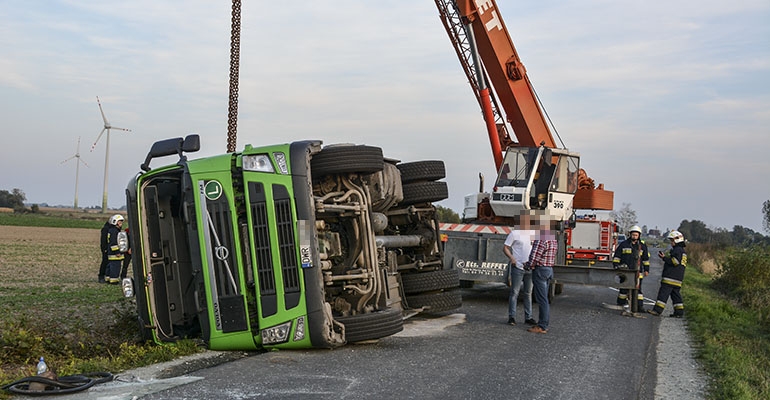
(286, 246)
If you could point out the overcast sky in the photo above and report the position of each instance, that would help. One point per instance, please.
(668, 102)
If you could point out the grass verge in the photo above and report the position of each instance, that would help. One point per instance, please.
(734, 344)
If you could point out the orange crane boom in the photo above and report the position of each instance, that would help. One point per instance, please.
(507, 73)
(487, 53)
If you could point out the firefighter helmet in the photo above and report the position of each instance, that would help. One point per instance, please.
(115, 219)
(635, 228)
(676, 236)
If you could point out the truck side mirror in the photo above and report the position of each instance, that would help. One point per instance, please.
(162, 148)
(192, 143)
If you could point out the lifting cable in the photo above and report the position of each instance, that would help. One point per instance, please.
(235, 55)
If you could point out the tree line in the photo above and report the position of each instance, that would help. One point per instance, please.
(13, 199)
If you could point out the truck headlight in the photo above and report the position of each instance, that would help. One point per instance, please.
(128, 287)
(257, 162)
(276, 334)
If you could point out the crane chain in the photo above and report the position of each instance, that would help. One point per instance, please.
(235, 55)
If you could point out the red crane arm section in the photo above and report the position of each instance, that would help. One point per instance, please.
(506, 73)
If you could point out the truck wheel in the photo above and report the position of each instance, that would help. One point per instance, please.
(345, 159)
(436, 302)
(424, 192)
(427, 281)
(431, 170)
(373, 325)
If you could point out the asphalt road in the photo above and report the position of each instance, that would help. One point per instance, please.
(589, 352)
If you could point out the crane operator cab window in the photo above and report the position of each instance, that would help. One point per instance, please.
(517, 167)
(566, 177)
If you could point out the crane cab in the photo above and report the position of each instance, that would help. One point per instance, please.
(536, 178)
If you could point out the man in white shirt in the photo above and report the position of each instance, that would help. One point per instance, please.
(517, 247)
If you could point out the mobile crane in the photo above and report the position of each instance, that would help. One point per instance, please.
(534, 173)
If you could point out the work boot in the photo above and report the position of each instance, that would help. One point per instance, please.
(530, 321)
(511, 321)
(101, 280)
(676, 315)
(653, 312)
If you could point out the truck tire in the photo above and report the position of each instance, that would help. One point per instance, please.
(371, 326)
(429, 281)
(430, 170)
(424, 192)
(345, 159)
(436, 302)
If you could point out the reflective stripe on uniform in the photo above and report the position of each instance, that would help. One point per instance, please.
(672, 282)
(660, 304)
(678, 263)
(678, 306)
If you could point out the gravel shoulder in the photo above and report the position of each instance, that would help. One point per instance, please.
(679, 376)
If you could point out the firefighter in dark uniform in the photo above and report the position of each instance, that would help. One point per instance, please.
(674, 264)
(114, 251)
(103, 245)
(633, 254)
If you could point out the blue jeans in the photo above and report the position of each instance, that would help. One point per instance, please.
(519, 277)
(540, 278)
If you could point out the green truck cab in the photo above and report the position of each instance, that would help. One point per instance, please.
(286, 246)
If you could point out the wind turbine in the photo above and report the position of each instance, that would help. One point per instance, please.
(77, 169)
(107, 127)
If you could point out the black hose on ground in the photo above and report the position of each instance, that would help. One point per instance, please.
(64, 385)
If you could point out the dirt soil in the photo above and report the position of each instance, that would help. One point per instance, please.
(49, 255)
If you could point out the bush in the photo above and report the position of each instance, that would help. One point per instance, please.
(744, 275)
(18, 343)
